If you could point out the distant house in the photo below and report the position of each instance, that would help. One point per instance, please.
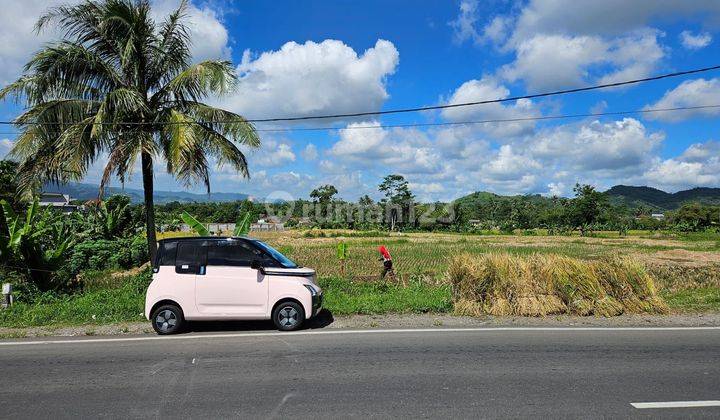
(58, 201)
(658, 216)
(270, 224)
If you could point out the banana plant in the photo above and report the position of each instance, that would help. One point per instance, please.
(38, 243)
(194, 224)
(16, 230)
(242, 226)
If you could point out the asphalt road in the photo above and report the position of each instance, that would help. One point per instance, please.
(449, 374)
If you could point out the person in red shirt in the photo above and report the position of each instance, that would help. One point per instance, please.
(387, 262)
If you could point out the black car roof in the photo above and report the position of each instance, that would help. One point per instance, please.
(197, 238)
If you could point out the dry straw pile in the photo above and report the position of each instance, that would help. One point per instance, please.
(503, 284)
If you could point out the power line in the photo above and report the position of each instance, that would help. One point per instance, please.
(491, 101)
(488, 121)
(419, 109)
(498, 120)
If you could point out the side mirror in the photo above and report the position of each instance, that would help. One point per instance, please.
(256, 265)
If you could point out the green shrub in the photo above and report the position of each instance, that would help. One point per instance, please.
(103, 254)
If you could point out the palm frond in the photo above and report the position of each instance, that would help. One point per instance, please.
(198, 81)
(228, 124)
(69, 70)
(172, 51)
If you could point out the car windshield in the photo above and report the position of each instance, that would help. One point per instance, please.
(283, 260)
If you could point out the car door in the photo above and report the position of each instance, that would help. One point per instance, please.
(230, 287)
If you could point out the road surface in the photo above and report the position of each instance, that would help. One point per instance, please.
(479, 373)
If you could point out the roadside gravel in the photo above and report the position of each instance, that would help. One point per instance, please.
(387, 321)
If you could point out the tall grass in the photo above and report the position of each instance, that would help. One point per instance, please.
(99, 306)
(541, 284)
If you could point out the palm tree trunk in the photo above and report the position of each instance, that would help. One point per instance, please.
(147, 174)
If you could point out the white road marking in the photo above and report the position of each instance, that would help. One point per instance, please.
(342, 331)
(677, 404)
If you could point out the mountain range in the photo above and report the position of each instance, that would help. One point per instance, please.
(656, 199)
(630, 196)
(633, 197)
(80, 191)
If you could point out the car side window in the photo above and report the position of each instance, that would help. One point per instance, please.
(190, 253)
(231, 253)
(167, 253)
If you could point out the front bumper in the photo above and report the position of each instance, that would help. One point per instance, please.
(317, 301)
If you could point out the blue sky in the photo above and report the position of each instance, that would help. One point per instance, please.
(298, 58)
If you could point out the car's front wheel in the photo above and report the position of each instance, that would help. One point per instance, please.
(288, 316)
(167, 319)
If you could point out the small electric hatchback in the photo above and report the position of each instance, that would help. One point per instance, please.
(235, 278)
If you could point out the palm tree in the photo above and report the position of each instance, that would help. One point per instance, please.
(121, 86)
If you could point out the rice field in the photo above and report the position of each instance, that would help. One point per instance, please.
(429, 254)
(684, 270)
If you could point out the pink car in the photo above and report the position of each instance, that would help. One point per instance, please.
(215, 278)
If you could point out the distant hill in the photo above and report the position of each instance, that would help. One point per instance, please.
(632, 197)
(660, 200)
(79, 191)
(477, 204)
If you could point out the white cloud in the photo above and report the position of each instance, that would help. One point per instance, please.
(607, 17)
(208, 34)
(497, 30)
(695, 42)
(566, 43)
(560, 61)
(674, 174)
(18, 41)
(403, 150)
(273, 153)
(313, 78)
(458, 159)
(634, 56)
(487, 89)
(310, 152)
(557, 189)
(697, 92)
(701, 152)
(464, 25)
(507, 165)
(5, 146)
(553, 61)
(616, 148)
(362, 142)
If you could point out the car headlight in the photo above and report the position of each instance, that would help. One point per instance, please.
(313, 291)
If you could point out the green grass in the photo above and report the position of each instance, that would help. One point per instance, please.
(702, 299)
(126, 303)
(343, 297)
(107, 306)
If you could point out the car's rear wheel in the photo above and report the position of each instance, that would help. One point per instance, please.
(288, 316)
(168, 319)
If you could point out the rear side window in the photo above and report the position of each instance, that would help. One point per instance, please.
(231, 253)
(191, 253)
(167, 252)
